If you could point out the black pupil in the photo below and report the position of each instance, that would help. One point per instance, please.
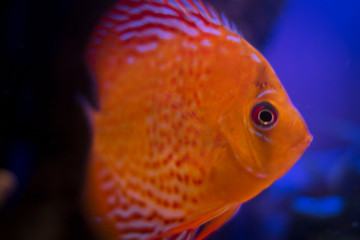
(265, 116)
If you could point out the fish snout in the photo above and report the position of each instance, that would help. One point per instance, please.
(308, 139)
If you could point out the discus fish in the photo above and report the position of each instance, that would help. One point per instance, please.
(192, 122)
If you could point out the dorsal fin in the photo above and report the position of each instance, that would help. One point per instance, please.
(207, 12)
(149, 20)
(188, 16)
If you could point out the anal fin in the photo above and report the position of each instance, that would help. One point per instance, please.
(217, 222)
(185, 235)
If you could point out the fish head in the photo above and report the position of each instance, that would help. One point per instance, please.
(276, 133)
(265, 133)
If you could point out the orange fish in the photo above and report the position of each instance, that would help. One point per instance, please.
(193, 122)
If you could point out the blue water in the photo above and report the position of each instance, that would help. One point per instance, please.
(319, 207)
(314, 48)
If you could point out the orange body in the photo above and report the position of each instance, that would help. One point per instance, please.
(174, 144)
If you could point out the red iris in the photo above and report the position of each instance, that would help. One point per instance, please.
(264, 115)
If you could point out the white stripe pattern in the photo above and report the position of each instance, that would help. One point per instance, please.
(148, 32)
(146, 47)
(169, 22)
(233, 38)
(187, 16)
(146, 7)
(132, 209)
(200, 24)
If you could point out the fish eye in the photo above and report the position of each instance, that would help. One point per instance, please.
(264, 115)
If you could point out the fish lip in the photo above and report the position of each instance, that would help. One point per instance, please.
(304, 143)
(309, 139)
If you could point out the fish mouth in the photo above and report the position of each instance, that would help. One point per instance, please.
(302, 144)
(309, 139)
(258, 163)
(293, 154)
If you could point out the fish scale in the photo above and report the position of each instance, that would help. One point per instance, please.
(172, 147)
(181, 133)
